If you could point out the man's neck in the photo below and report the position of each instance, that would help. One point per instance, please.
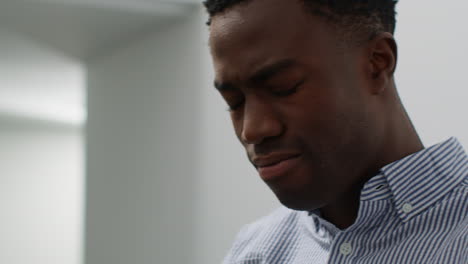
(400, 142)
(342, 213)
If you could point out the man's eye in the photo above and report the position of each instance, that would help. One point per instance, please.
(288, 91)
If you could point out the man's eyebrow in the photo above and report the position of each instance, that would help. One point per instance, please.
(261, 75)
(271, 70)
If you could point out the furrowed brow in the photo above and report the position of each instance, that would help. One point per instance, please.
(261, 75)
(271, 70)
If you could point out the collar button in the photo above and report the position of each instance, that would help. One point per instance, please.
(407, 208)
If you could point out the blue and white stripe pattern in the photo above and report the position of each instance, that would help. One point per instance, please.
(414, 211)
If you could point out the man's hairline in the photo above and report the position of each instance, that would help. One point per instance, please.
(343, 42)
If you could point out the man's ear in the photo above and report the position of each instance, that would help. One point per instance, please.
(383, 55)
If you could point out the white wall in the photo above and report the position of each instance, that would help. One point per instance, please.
(41, 156)
(143, 152)
(431, 73)
(41, 176)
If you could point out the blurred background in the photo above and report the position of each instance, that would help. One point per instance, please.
(116, 149)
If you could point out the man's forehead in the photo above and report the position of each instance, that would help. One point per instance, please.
(247, 37)
(257, 22)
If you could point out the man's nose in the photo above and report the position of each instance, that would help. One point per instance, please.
(260, 122)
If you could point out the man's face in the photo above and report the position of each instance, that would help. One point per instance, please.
(298, 98)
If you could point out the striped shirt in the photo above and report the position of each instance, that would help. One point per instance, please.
(414, 211)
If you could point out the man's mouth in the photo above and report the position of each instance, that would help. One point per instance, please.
(274, 165)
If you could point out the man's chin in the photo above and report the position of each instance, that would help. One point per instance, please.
(298, 202)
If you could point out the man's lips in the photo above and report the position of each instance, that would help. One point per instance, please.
(272, 159)
(274, 165)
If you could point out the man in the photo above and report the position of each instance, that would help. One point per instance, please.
(312, 98)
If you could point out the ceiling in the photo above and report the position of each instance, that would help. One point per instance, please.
(82, 29)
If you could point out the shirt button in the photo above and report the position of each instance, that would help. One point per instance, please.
(346, 249)
(407, 208)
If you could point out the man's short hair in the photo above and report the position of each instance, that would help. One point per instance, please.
(357, 20)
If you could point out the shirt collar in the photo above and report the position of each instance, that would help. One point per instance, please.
(421, 179)
(413, 183)
(376, 189)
